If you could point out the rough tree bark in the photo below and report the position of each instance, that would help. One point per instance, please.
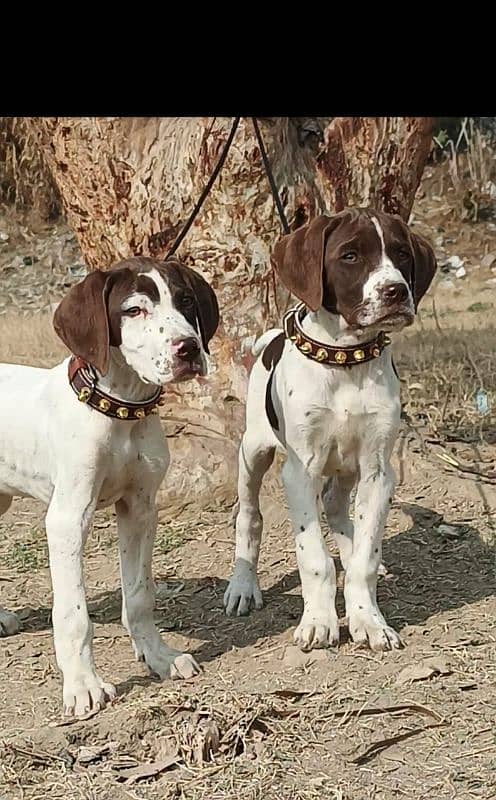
(128, 185)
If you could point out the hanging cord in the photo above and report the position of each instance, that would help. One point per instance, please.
(206, 190)
(270, 176)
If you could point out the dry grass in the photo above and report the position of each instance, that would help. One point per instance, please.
(265, 722)
(472, 173)
(29, 339)
(441, 372)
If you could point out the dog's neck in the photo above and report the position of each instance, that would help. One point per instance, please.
(332, 329)
(122, 382)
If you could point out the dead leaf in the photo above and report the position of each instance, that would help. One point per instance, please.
(148, 770)
(382, 744)
(86, 755)
(423, 670)
(290, 694)
(207, 740)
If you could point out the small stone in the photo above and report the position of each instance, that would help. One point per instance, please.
(488, 260)
(449, 530)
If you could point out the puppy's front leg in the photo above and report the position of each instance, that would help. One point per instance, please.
(366, 622)
(67, 524)
(319, 626)
(137, 524)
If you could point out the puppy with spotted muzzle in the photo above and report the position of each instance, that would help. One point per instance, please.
(325, 392)
(84, 436)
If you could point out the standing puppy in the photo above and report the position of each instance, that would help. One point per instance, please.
(82, 436)
(325, 391)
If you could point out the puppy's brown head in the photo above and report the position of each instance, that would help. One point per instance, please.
(363, 264)
(161, 315)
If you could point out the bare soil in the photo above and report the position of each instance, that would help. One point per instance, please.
(265, 721)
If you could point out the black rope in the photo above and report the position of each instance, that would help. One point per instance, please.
(206, 190)
(270, 176)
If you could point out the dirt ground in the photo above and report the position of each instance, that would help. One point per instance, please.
(265, 721)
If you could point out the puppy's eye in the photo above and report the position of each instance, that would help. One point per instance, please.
(187, 301)
(134, 311)
(350, 256)
(404, 254)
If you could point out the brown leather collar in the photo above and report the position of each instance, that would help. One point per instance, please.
(83, 381)
(325, 353)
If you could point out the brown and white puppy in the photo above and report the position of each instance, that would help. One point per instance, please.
(140, 326)
(359, 272)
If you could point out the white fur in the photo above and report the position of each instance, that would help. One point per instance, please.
(76, 460)
(385, 273)
(337, 427)
(147, 339)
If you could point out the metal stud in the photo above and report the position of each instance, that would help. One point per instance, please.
(139, 413)
(104, 405)
(358, 355)
(306, 347)
(340, 357)
(84, 394)
(122, 412)
(321, 354)
(376, 351)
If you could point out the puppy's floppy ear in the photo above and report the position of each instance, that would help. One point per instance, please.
(207, 308)
(298, 259)
(81, 320)
(424, 266)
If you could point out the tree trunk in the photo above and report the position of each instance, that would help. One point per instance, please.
(129, 184)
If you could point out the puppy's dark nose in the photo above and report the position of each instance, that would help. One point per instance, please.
(186, 349)
(394, 293)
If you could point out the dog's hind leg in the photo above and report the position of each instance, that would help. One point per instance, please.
(243, 591)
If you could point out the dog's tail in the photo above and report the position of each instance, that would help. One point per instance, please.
(264, 340)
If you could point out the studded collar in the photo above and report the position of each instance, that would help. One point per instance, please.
(83, 381)
(326, 353)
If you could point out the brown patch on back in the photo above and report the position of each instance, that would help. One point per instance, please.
(273, 352)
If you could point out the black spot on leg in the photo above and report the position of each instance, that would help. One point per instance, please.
(307, 413)
(360, 516)
(290, 393)
(316, 574)
(376, 550)
(361, 608)
(302, 528)
(160, 330)
(301, 547)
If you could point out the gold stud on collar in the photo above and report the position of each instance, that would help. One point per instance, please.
(122, 412)
(358, 355)
(386, 340)
(84, 394)
(321, 354)
(376, 351)
(104, 405)
(340, 357)
(306, 347)
(139, 413)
